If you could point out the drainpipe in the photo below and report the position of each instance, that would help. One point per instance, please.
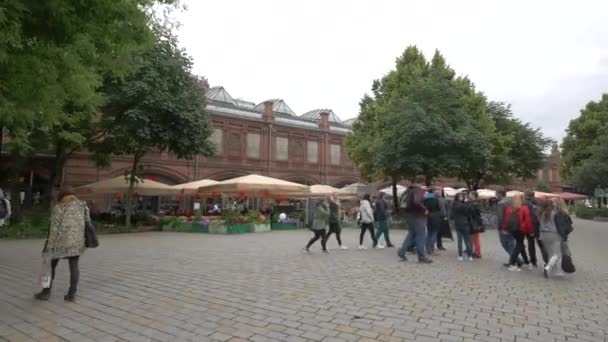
(268, 116)
(196, 167)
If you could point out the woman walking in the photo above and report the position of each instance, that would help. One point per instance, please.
(435, 214)
(334, 219)
(555, 225)
(320, 221)
(367, 221)
(444, 228)
(381, 215)
(518, 222)
(460, 214)
(66, 239)
(476, 223)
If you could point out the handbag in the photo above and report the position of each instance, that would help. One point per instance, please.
(567, 264)
(44, 278)
(90, 238)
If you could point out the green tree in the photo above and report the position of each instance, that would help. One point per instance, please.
(593, 172)
(160, 107)
(53, 57)
(582, 135)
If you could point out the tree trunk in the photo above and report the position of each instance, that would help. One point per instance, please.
(129, 204)
(395, 198)
(16, 213)
(56, 177)
(428, 180)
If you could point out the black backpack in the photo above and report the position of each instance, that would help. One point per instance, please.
(513, 222)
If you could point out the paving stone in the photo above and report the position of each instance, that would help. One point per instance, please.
(201, 287)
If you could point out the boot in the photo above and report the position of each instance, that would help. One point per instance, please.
(45, 294)
(70, 297)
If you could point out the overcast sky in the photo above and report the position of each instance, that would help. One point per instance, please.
(546, 58)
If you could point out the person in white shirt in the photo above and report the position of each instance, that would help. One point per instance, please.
(367, 220)
(5, 209)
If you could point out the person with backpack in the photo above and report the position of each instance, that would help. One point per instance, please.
(416, 219)
(5, 209)
(334, 219)
(518, 223)
(381, 216)
(533, 238)
(507, 241)
(367, 221)
(434, 217)
(555, 226)
(476, 223)
(460, 214)
(319, 224)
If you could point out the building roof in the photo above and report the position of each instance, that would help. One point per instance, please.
(278, 105)
(220, 94)
(316, 115)
(349, 122)
(220, 101)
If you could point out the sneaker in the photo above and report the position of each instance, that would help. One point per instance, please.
(546, 272)
(514, 268)
(379, 247)
(425, 261)
(325, 251)
(343, 247)
(361, 247)
(441, 248)
(70, 297)
(460, 258)
(560, 274)
(45, 294)
(402, 258)
(530, 267)
(507, 265)
(470, 259)
(390, 245)
(306, 251)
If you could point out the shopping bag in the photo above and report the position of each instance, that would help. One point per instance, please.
(44, 279)
(567, 264)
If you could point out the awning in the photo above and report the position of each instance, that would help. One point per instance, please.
(255, 184)
(144, 187)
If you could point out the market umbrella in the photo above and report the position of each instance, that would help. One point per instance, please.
(144, 187)
(451, 192)
(192, 187)
(256, 184)
(570, 196)
(356, 189)
(486, 193)
(389, 190)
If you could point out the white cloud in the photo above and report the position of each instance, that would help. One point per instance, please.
(548, 58)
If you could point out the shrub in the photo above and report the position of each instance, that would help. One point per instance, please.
(584, 212)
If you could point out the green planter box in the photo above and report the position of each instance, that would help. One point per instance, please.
(200, 228)
(284, 226)
(238, 228)
(260, 227)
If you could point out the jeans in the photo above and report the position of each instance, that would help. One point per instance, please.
(531, 249)
(464, 235)
(334, 228)
(74, 272)
(416, 234)
(365, 227)
(319, 234)
(433, 226)
(383, 229)
(520, 248)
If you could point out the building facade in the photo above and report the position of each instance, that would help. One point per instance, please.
(266, 138)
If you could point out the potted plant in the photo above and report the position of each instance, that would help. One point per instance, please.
(259, 223)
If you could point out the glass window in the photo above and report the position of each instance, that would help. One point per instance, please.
(217, 139)
(282, 147)
(336, 154)
(313, 152)
(253, 145)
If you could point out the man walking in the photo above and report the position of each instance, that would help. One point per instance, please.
(506, 240)
(334, 219)
(381, 211)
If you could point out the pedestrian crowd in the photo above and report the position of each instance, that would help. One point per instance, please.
(524, 224)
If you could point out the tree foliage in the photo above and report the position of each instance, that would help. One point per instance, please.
(593, 172)
(423, 121)
(582, 135)
(159, 107)
(53, 58)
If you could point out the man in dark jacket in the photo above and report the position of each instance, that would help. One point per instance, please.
(381, 213)
(415, 217)
(531, 204)
(334, 219)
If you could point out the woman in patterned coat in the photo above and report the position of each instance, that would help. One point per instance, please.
(66, 239)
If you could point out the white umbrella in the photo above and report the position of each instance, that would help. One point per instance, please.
(389, 190)
(192, 187)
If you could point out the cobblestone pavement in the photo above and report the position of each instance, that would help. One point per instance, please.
(260, 287)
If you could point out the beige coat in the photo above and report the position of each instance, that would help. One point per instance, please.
(66, 232)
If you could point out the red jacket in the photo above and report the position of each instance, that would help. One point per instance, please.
(525, 219)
